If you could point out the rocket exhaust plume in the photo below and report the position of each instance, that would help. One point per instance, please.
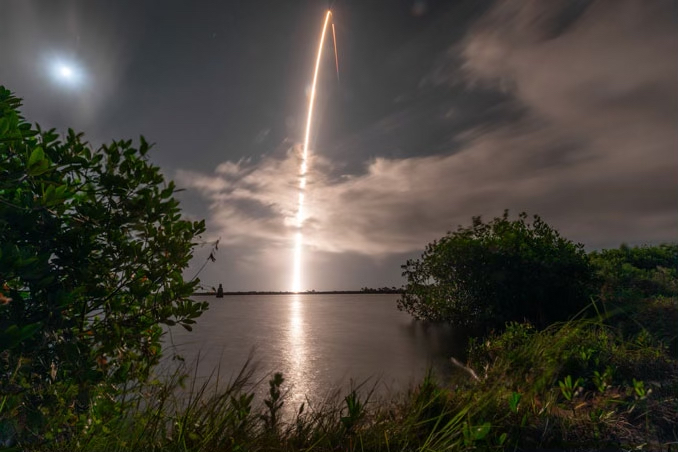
(336, 55)
(299, 237)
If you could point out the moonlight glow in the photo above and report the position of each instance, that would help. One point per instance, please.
(66, 73)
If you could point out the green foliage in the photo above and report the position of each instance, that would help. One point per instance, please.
(275, 401)
(513, 401)
(631, 273)
(641, 284)
(506, 410)
(92, 246)
(597, 353)
(568, 387)
(603, 380)
(490, 273)
(355, 410)
(503, 411)
(473, 434)
(574, 384)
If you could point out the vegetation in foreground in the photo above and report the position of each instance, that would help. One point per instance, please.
(579, 385)
(92, 245)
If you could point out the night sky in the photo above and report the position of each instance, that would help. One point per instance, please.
(442, 110)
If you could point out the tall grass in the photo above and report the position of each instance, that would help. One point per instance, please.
(577, 385)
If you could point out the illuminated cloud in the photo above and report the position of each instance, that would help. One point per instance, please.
(591, 146)
(598, 82)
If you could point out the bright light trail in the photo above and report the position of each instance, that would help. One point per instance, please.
(336, 54)
(299, 237)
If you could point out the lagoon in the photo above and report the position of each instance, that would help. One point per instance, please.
(320, 342)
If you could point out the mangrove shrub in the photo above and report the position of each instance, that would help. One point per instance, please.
(505, 270)
(92, 247)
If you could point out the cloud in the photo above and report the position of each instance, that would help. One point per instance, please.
(598, 80)
(593, 149)
(616, 58)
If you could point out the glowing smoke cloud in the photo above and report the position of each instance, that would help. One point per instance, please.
(299, 237)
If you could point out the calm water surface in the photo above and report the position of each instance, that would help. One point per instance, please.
(319, 342)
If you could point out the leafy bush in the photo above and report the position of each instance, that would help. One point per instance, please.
(629, 273)
(641, 285)
(490, 273)
(92, 246)
(575, 384)
(532, 360)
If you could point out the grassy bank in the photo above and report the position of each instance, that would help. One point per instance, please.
(608, 382)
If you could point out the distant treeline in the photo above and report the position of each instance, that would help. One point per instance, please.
(364, 290)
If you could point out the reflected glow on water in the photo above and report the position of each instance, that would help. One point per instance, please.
(296, 352)
(319, 343)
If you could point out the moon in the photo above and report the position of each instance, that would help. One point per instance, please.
(66, 73)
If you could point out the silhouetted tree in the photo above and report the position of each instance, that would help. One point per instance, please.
(490, 273)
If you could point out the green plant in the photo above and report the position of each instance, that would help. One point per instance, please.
(242, 405)
(569, 388)
(602, 381)
(490, 273)
(514, 400)
(632, 273)
(355, 410)
(274, 402)
(475, 433)
(639, 390)
(92, 246)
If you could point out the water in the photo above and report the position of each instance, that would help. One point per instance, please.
(319, 342)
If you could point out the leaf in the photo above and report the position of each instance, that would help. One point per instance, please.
(502, 438)
(4, 126)
(39, 167)
(14, 335)
(480, 431)
(36, 156)
(48, 195)
(514, 399)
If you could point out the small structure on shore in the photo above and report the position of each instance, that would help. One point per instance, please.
(220, 291)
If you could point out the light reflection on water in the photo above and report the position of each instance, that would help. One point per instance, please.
(318, 342)
(296, 354)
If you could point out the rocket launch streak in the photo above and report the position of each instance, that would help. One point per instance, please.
(336, 54)
(299, 237)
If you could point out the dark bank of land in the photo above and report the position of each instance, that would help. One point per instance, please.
(307, 292)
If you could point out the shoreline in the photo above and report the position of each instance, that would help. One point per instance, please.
(313, 292)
